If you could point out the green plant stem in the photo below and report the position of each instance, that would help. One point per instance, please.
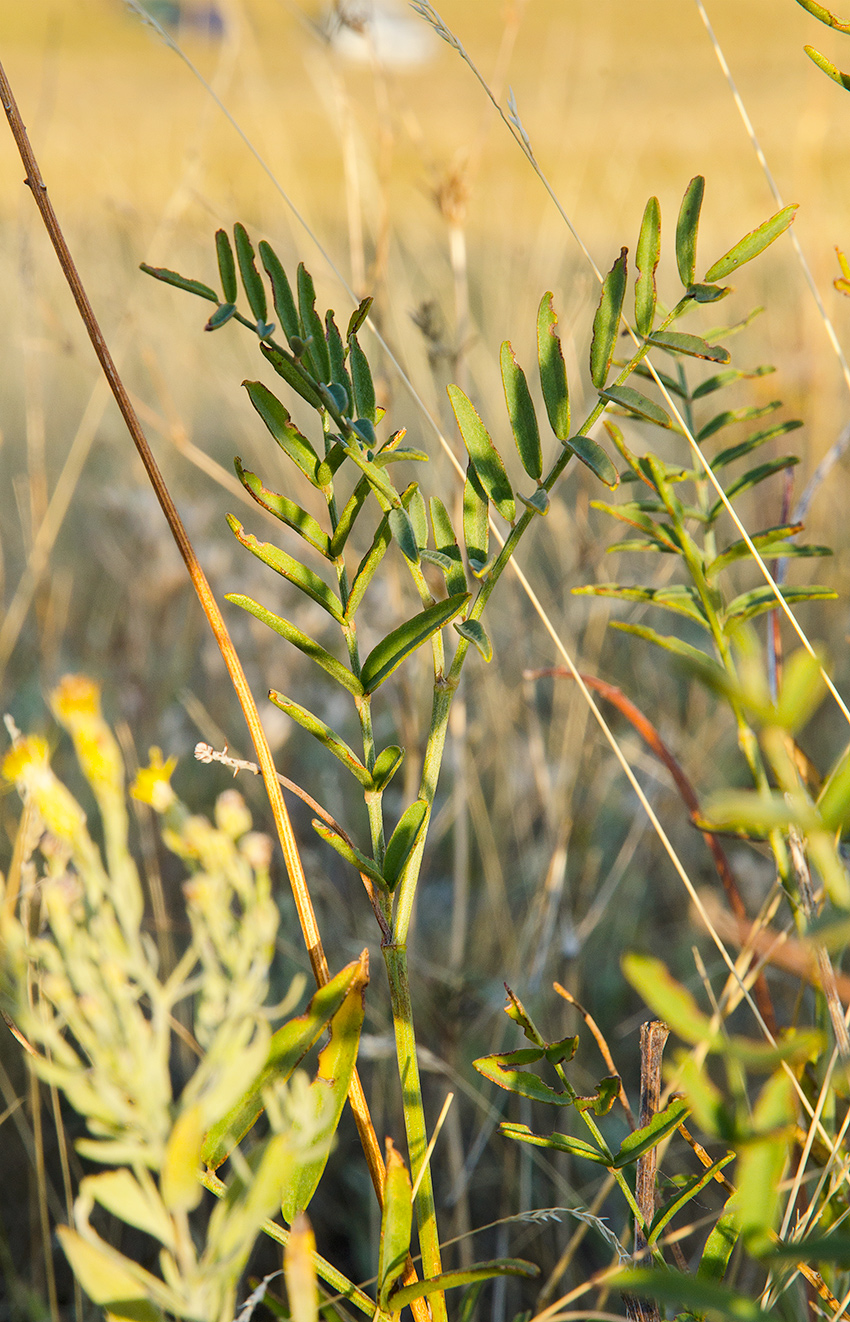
(395, 958)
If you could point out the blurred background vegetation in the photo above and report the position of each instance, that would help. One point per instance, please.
(399, 170)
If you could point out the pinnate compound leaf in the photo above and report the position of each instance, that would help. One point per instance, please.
(476, 1272)
(327, 1094)
(483, 454)
(348, 851)
(226, 266)
(606, 323)
(251, 279)
(284, 303)
(753, 243)
(687, 228)
(284, 509)
(643, 1140)
(403, 841)
(691, 345)
(708, 1299)
(325, 735)
(289, 438)
(667, 998)
(292, 570)
(647, 256)
(180, 282)
(521, 412)
(398, 645)
(635, 402)
(396, 1224)
(553, 372)
(474, 632)
(294, 375)
(314, 650)
(593, 457)
(750, 604)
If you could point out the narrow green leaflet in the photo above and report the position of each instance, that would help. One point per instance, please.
(500, 1069)
(728, 416)
(667, 998)
(485, 458)
(283, 429)
(756, 439)
(825, 15)
(348, 851)
(358, 316)
(317, 350)
(750, 604)
(773, 544)
(601, 1101)
(679, 598)
(286, 510)
(687, 228)
(706, 1299)
(752, 478)
(708, 293)
(403, 841)
(762, 1161)
(325, 735)
(643, 1140)
(398, 645)
(361, 377)
(317, 653)
(368, 565)
(633, 514)
(691, 345)
(474, 632)
(446, 543)
(477, 1271)
(339, 371)
(606, 323)
(294, 376)
(292, 570)
(287, 1048)
(670, 643)
(753, 243)
(521, 413)
(180, 282)
(476, 529)
(632, 400)
(404, 533)
(826, 66)
(670, 383)
(251, 279)
(558, 1142)
(718, 1248)
(352, 508)
(695, 1185)
(722, 379)
(593, 457)
(386, 765)
(326, 1097)
(396, 1224)
(226, 266)
(284, 303)
(221, 316)
(647, 257)
(553, 372)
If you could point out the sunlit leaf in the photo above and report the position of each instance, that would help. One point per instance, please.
(825, 15)
(361, 379)
(178, 1180)
(340, 379)
(680, 598)
(358, 316)
(316, 352)
(687, 228)
(505, 1069)
(325, 735)
(521, 413)
(558, 1142)
(108, 1278)
(226, 266)
(593, 457)
(284, 509)
(180, 281)
(284, 303)
(647, 256)
(761, 1162)
(601, 1101)
(667, 998)
(477, 1271)
(683, 1196)
(606, 322)
(643, 1140)
(753, 243)
(718, 1248)
(348, 851)
(300, 1272)
(139, 1205)
(474, 632)
(476, 529)
(292, 570)
(670, 643)
(293, 375)
(483, 454)
(722, 379)
(751, 604)
(446, 544)
(398, 645)
(635, 402)
(834, 798)
(553, 372)
(396, 1224)
(403, 841)
(314, 650)
(251, 279)
(690, 345)
(368, 565)
(386, 765)
(289, 438)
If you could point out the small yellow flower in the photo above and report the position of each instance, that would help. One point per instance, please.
(153, 783)
(76, 703)
(28, 766)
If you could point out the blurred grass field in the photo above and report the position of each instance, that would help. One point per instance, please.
(402, 176)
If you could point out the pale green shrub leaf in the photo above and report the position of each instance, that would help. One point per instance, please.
(593, 457)
(289, 438)
(635, 402)
(606, 323)
(108, 1278)
(284, 303)
(325, 735)
(718, 1248)
(762, 1160)
(286, 510)
(294, 375)
(368, 565)
(446, 544)
(476, 529)
(750, 604)
(474, 632)
(361, 378)
(350, 511)
(693, 346)
(647, 256)
(120, 1192)
(180, 281)
(752, 244)
(292, 570)
(751, 479)
(398, 645)
(396, 1224)
(729, 416)
(483, 454)
(553, 372)
(401, 527)
(251, 279)
(314, 650)
(403, 841)
(386, 765)
(221, 316)
(670, 643)
(758, 438)
(691, 1188)
(226, 266)
(358, 316)
(687, 228)
(521, 413)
